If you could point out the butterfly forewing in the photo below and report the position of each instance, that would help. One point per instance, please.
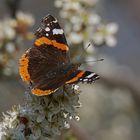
(51, 33)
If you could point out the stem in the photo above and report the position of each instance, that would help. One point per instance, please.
(13, 6)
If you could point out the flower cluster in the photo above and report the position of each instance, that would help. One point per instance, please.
(41, 117)
(13, 32)
(84, 25)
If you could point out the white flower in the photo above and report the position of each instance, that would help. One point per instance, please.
(75, 87)
(98, 38)
(58, 3)
(67, 125)
(106, 33)
(40, 118)
(10, 47)
(7, 71)
(94, 19)
(111, 41)
(2, 132)
(75, 20)
(75, 38)
(77, 118)
(77, 27)
(70, 117)
(83, 24)
(25, 18)
(7, 29)
(64, 14)
(65, 115)
(71, 6)
(112, 28)
(9, 32)
(89, 2)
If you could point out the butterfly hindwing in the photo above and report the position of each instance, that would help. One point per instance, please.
(83, 76)
(54, 80)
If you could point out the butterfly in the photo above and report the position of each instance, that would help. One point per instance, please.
(47, 65)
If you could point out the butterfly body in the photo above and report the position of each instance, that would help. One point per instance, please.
(47, 65)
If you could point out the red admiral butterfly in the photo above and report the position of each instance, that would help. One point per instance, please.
(47, 65)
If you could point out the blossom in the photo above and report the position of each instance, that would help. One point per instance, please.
(25, 18)
(75, 38)
(13, 32)
(83, 24)
(10, 47)
(24, 21)
(41, 117)
(7, 30)
(105, 33)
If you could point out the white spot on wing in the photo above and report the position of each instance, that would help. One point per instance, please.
(85, 80)
(55, 21)
(57, 31)
(89, 76)
(47, 34)
(97, 77)
(47, 29)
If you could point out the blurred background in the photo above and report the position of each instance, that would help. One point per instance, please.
(110, 107)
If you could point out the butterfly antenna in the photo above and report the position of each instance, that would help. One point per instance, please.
(89, 44)
(85, 49)
(79, 56)
(98, 60)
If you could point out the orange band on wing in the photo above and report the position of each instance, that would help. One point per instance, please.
(76, 78)
(40, 92)
(23, 68)
(45, 40)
